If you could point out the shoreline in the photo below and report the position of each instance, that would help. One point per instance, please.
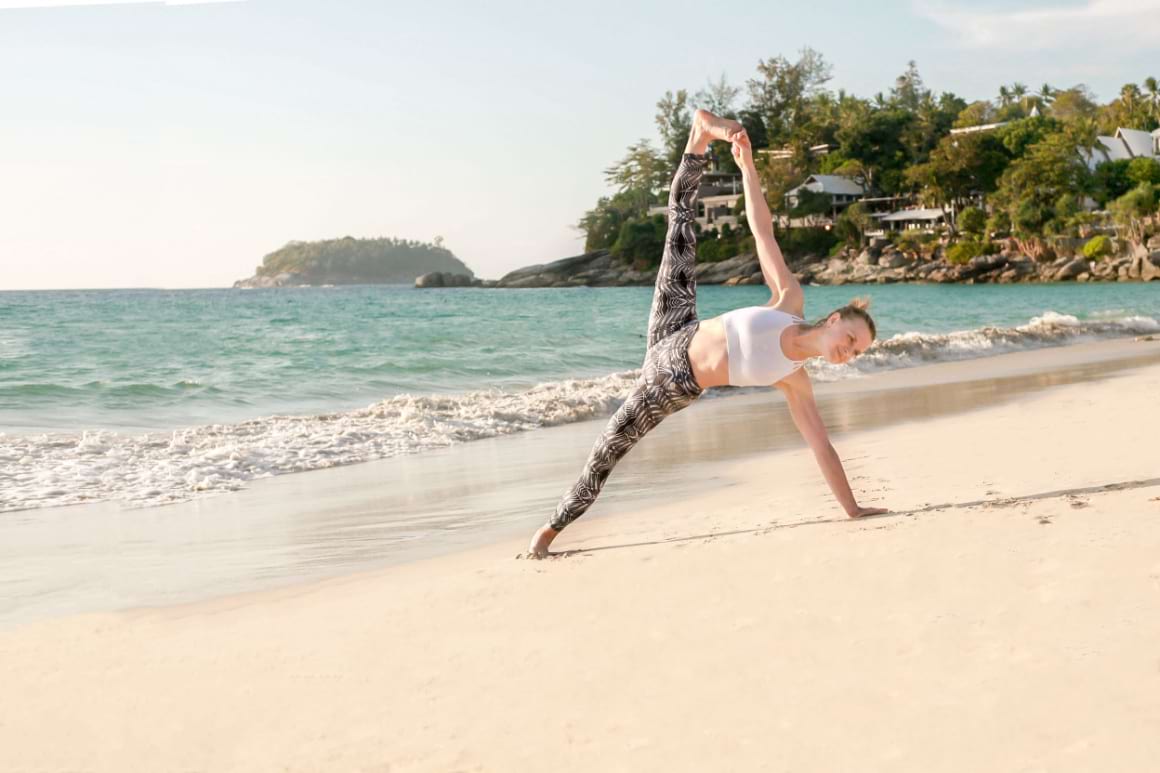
(303, 528)
(1005, 607)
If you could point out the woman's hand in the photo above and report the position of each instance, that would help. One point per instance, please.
(861, 511)
(742, 150)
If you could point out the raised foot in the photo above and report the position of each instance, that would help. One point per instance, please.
(716, 128)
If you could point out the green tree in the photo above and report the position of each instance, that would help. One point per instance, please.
(674, 121)
(1110, 181)
(641, 240)
(853, 223)
(909, 91)
(781, 92)
(811, 203)
(975, 114)
(718, 97)
(1071, 104)
(1021, 134)
(1031, 187)
(601, 224)
(1097, 247)
(1143, 170)
(877, 142)
(972, 220)
(639, 175)
(1152, 99)
(960, 167)
(778, 177)
(1130, 210)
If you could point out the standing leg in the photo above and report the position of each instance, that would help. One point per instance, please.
(666, 385)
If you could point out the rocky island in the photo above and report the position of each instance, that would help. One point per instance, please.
(353, 261)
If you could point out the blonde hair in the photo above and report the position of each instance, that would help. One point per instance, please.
(856, 308)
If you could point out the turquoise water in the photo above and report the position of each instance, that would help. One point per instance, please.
(134, 360)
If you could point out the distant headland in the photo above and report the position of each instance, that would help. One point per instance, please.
(349, 260)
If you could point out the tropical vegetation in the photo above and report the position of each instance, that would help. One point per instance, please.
(1025, 180)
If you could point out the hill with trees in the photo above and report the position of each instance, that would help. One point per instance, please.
(1023, 186)
(353, 261)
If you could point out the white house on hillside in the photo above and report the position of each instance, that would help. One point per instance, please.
(1126, 144)
(716, 198)
(842, 190)
(922, 219)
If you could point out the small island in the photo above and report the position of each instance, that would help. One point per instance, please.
(348, 261)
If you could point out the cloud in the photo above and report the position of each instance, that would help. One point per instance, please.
(1127, 24)
(6, 4)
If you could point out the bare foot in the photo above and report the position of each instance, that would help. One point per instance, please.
(708, 127)
(538, 548)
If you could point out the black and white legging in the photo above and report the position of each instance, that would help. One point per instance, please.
(666, 383)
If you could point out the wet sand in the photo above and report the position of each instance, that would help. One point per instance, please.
(1002, 617)
(327, 523)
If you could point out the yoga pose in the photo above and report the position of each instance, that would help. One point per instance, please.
(753, 346)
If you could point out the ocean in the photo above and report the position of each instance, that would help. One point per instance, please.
(147, 396)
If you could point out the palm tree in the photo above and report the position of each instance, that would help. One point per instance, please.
(1018, 92)
(1085, 131)
(1047, 94)
(1129, 98)
(1152, 95)
(1004, 96)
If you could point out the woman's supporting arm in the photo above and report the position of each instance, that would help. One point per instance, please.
(803, 409)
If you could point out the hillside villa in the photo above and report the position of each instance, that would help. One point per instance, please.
(721, 191)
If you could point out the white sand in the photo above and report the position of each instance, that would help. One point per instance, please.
(1007, 617)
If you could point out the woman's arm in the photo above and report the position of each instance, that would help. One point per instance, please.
(799, 395)
(782, 283)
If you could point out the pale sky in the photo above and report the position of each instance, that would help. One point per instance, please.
(153, 144)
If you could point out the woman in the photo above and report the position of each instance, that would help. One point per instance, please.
(759, 345)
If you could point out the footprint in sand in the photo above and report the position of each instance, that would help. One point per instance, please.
(1043, 520)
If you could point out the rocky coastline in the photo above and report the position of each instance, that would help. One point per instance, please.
(879, 263)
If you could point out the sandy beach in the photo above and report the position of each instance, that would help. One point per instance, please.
(1004, 616)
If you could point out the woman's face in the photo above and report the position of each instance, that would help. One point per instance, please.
(845, 339)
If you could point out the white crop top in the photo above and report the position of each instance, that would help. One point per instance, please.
(753, 341)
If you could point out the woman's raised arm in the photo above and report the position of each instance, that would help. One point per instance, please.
(782, 283)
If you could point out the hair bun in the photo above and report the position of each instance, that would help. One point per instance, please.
(862, 303)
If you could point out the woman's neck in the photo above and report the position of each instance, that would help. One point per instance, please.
(805, 342)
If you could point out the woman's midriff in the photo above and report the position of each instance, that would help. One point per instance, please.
(709, 354)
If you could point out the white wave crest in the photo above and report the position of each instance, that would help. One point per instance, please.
(157, 468)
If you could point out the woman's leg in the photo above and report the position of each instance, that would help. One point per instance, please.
(666, 385)
(675, 295)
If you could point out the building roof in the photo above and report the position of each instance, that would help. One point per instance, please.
(979, 127)
(1139, 142)
(1114, 148)
(831, 183)
(912, 214)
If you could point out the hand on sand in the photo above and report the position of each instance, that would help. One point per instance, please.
(861, 511)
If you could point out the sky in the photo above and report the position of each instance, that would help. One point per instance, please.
(154, 144)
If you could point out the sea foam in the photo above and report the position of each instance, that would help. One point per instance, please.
(47, 469)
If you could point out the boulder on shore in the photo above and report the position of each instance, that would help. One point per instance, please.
(446, 279)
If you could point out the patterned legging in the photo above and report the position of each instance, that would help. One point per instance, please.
(666, 383)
